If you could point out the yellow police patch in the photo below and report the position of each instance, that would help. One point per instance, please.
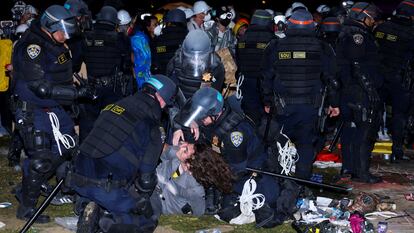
(379, 35)
(161, 49)
(118, 110)
(285, 55)
(62, 59)
(392, 38)
(299, 55)
(241, 45)
(261, 45)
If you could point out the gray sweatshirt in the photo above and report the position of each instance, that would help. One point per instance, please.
(177, 191)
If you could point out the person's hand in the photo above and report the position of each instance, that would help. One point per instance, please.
(333, 112)
(267, 109)
(177, 137)
(195, 130)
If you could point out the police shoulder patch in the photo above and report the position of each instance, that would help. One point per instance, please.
(358, 39)
(33, 50)
(236, 138)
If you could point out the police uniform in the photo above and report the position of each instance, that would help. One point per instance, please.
(122, 149)
(249, 50)
(396, 48)
(107, 60)
(358, 60)
(41, 67)
(166, 45)
(241, 147)
(213, 75)
(296, 69)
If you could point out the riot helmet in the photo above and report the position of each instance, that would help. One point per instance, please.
(206, 102)
(108, 15)
(57, 18)
(196, 51)
(162, 85)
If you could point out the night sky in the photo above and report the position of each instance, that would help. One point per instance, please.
(246, 6)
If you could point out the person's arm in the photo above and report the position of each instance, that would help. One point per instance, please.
(268, 73)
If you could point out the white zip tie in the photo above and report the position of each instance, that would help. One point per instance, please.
(288, 155)
(67, 141)
(250, 201)
(239, 94)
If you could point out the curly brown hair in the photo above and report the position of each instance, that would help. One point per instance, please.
(209, 169)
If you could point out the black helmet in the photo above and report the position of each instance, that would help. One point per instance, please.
(77, 7)
(331, 24)
(108, 15)
(175, 16)
(261, 17)
(405, 8)
(205, 102)
(57, 18)
(301, 19)
(164, 86)
(361, 10)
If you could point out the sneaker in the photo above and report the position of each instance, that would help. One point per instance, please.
(61, 199)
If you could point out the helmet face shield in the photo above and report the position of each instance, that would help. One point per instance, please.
(196, 62)
(67, 26)
(190, 113)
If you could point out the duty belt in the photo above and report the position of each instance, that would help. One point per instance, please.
(102, 81)
(107, 184)
(314, 100)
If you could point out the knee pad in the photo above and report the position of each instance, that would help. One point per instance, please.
(41, 165)
(146, 182)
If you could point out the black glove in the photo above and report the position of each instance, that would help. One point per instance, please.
(86, 92)
(143, 206)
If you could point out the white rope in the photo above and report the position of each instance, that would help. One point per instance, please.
(67, 141)
(239, 93)
(250, 201)
(288, 155)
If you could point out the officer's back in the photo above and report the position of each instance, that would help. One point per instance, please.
(169, 41)
(107, 50)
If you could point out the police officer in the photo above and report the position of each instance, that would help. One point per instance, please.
(329, 31)
(234, 137)
(250, 49)
(169, 41)
(360, 102)
(295, 70)
(396, 48)
(107, 60)
(43, 83)
(196, 65)
(116, 165)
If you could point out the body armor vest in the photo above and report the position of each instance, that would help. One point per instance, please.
(115, 124)
(166, 45)
(394, 38)
(60, 68)
(250, 50)
(102, 56)
(298, 65)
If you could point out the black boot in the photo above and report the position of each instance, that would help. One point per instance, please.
(363, 174)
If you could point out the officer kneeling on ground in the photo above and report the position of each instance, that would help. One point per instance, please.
(116, 165)
(240, 147)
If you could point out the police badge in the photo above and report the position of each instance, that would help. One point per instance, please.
(33, 50)
(236, 138)
(358, 39)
